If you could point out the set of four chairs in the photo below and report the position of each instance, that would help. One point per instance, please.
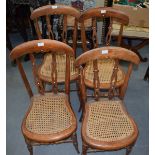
(106, 125)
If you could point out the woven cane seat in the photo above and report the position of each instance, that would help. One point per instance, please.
(45, 69)
(50, 116)
(107, 124)
(131, 31)
(105, 67)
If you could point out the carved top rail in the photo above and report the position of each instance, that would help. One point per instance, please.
(55, 9)
(107, 52)
(105, 12)
(44, 45)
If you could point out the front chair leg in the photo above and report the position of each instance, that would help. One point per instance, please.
(75, 142)
(129, 149)
(84, 149)
(29, 146)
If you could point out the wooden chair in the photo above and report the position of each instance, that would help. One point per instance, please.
(102, 14)
(106, 124)
(50, 118)
(137, 29)
(63, 13)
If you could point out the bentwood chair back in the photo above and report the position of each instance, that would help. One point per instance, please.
(106, 124)
(50, 118)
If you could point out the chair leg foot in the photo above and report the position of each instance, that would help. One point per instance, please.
(75, 142)
(81, 117)
(146, 77)
(84, 149)
(29, 146)
(80, 108)
(129, 149)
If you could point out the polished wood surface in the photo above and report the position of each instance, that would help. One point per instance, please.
(112, 53)
(46, 99)
(45, 47)
(102, 13)
(66, 12)
(116, 53)
(55, 9)
(106, 146)
(49, 138)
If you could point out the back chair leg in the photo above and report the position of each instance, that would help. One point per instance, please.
(129, 149)
(79, 95)
(75, 142)
(84, 149)
(29, 146)
(81, 117)
(80, 108)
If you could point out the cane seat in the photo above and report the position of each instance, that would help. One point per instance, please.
(50, 118)
(45, 69)
(49, 115)
(106, 125)
(131, 31)
(106, 69)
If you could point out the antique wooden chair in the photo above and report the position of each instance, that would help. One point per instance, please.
(60, 15)
(137, 29)
(106, 124)
(102, 14)
(50, 118)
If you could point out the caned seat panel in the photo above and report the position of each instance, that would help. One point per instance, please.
(49, 116)
(131, 31)
(107, 125)
(45, 69)
(105, 67)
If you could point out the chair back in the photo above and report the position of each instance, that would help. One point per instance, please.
(33, 48)
(105, 16)
(59, 22)
(115, 53)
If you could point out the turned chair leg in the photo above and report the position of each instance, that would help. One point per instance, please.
(29, 146)
(75, 142)
(146, 77)
(129, 149)
(84, 149)
(79, 95)
(81, 117)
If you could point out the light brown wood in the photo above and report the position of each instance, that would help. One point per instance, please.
(54, 74)
(98, 14)
(46, 15)
(92, 135)
(37, 81)
(38, 125)
(106, 146)
(24, 78)
(108, 12)
(113, 53)
(33, 47)
(55, 9)
(49, 138)
(66, 12)
(50, 33)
